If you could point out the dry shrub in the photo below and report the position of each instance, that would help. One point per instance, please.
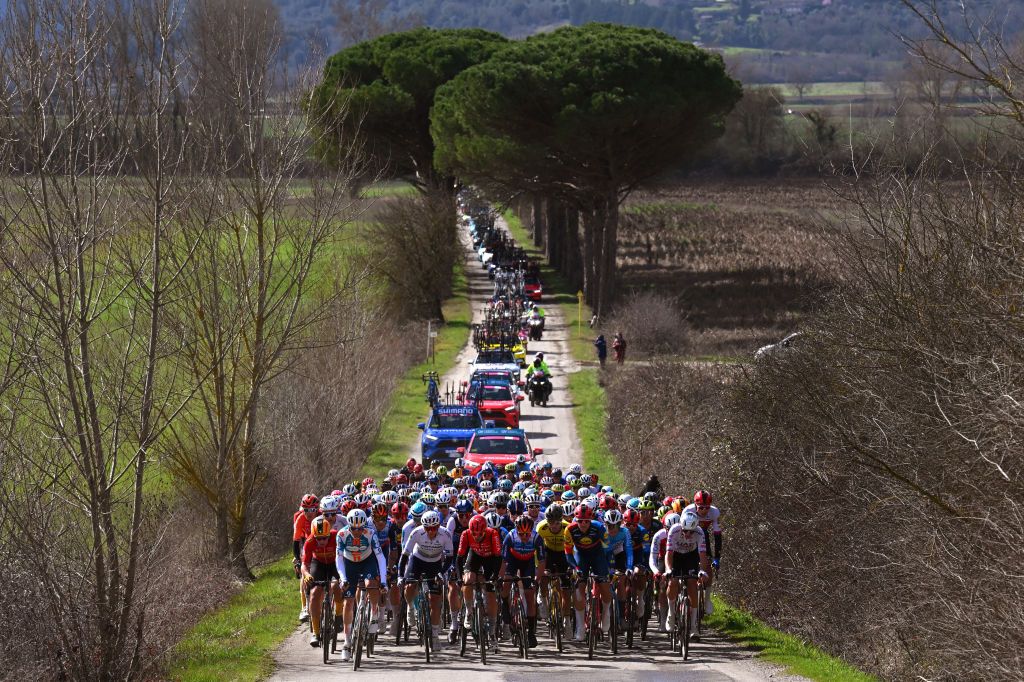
(650, 322)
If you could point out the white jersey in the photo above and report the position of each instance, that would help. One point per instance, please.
(356, 549)
(657, 559)
(407, 529)
(678, 542)
(421, 546)
(709, 519)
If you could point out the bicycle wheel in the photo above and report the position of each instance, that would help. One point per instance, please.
(358, 632)
(524, 642)
(402, 626)
(480, 621)
(463, 635)
(555, 617)
(613, 624)
(685, 628)
(629, 614)
(701, 596)
(592, 621)
(425, 632)
(326, 625)
(645, 617)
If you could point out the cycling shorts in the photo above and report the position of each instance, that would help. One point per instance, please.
(357, 572)
(524, 568)
(595, 563)
(487, 566)
(417, 568)
(556, 563)
(323, 572)
(685, 564)
(619, 562)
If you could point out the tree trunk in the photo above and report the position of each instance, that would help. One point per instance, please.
(572, 261)
(609, 250)
(552, 215)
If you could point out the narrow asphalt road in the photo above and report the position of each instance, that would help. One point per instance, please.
(715, 659)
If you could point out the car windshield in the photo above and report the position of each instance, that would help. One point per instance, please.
(493, 376)
(495, 357)
(495, 393)
(499, 445)
(532, 280)
(456, 421)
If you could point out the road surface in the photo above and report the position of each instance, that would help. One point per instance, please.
(715, 659)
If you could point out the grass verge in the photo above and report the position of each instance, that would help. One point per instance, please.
(798, 657)
(590, 410)
(236, 642)
(408, 402)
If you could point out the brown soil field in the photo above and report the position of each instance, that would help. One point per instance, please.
(745, 259)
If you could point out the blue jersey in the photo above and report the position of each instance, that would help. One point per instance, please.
(578, 541)
(641, 540)
(514, 546)
(621, 542)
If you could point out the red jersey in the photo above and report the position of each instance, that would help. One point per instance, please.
(489, 545)
(324, 554)
(301, 525)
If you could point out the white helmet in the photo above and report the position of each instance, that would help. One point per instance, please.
(690, 521)
(431, 519)
(444, 497)
(356, 518)
(329, 503)
(576, 469)
(613, 516)
(670, 520)
(389, 497)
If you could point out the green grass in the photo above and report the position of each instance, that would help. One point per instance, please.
(797, 656)
(236, 642)
(391, 188)
(590, 410)
(408, 402)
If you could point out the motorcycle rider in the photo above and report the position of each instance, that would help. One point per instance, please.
(538, 366)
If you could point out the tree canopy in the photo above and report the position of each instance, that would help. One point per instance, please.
(381, 92)
(583, 114)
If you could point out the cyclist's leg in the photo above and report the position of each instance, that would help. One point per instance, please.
(316, 599)
(492, 568)
(604, 586)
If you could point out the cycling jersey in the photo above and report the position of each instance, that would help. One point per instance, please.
(424, 548)
(387, 537)
(641, 538)
(324, 554)
(300, 526)
(407, 529)
(577, 540)
(619, 543)
(456, 529)
(353, 554)
(678, 542)
(487, 546)
(657, 556)
(523, 549)
(709, 519)
(553, 536)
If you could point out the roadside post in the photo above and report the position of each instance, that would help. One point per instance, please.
(579, 314)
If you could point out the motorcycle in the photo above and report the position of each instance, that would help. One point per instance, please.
(539, 388)
(536, 328)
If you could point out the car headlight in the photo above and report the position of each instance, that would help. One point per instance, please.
(510, 408)
(429, 437)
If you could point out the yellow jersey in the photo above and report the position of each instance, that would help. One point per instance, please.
(554, 538)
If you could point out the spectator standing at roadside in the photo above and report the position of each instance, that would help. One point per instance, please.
(602, 348)
(619, 346)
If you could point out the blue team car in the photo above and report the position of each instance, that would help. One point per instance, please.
(448, 428)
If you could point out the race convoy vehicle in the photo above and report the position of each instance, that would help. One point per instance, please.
(498, 446)
(496, 375)
(532, 288)
(498, 402)
(496, 359)
(518, 351)
(448, 428)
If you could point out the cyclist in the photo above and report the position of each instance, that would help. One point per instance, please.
(552, 533)
(458, 523)
(584, 551)
(657, 564)
(619, 549)
(708, 517)
(641, 538)
(360, 560)
(685, 554)
(429, 548)
(520, 551)
(387, 537)
(480, 554)
(318, 566)
(301, 524)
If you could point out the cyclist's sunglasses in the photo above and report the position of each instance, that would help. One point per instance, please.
(330, 514)
(703, 506)
(533, 506)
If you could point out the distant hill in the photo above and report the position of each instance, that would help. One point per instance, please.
(770, 40)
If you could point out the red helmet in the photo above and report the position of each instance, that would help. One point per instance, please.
(584, 513)
(367, 482)
(631, 517)
(309, 501)
(701, 498)
(410, 463)
(417, 469)
(609, 502)
(401, 479)
(347, 506)
(593, 480)
(477, 525)
(380, 510)
(667, 502)
(399, 510)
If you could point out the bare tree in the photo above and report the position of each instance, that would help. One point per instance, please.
(360, 20)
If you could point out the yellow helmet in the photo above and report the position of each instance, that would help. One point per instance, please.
(321, 527)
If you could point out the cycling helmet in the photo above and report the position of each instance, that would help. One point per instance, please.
(463, 507)
(587, 479)
(624, 498)
(584, 492)
(548, 466)
(401, 479)
(569, 508)
(554, 513)
(477, 525)
(558, 488)
(347, 506)
(533, 499)
(635, 503)
(521, 459)
(499, 499)
(431, 475)
(591, 502)
(606, 488)
(486, 485)
(414, 496)
(701, 498)
(321, 527)
(662, 511)
(392, 473)
(548, 495)
(379, 510)
(510, 467)
(493, 519)
(670, 520)
(431, 519)
(459, 483)
(678, 505)
(428, 499)
(399, 510)
(362, 500)
(444, 498)
(471, 481)
(690, 521)
(368, 482)
(329, 504)
(516, 507)
(546, 481)
(349, 490)
(518, 488)
(613, 517)
(505, 485)
(524, 523)
(584, 513)
(609, 503)
(631, 517)
(356, 518)
(441, 470)
(524, 476)
(571, 479)
(576, 469)
(418, 510)
(389, 497)
(337, 493)
(568, 496)
(652, 496)
(646, 504)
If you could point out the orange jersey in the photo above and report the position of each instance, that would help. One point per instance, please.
(324, 554)
(301, 525)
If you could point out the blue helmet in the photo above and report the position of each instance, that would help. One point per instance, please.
(463, 507)
(418, 510)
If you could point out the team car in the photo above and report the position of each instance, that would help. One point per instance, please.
(496, 359)
(448, 428)
(497, 402)
(498, 446)
(532, 288)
